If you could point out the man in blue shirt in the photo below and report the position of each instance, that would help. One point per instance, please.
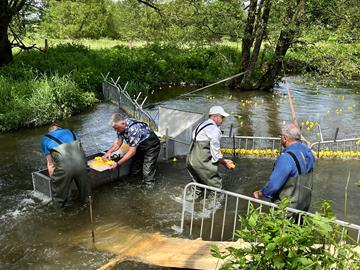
(66, 162)
(144, 146)
(291, 175)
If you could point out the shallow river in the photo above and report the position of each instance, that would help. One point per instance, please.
(34, 236)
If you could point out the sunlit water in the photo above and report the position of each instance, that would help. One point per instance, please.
(34, 236)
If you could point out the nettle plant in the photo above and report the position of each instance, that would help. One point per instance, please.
(274, 241)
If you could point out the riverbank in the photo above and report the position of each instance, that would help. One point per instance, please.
(50, 77)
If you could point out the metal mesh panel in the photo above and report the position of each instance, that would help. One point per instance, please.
(129, 105)
(177, 126)
(346, 148)
(259, 147)
(41, 182)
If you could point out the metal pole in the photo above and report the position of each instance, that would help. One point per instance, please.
(230, 132)
(234, 146)
(91, 220)
(336, 133)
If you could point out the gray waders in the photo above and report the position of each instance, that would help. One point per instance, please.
(298, 188)
(70, 164)
(199, 163)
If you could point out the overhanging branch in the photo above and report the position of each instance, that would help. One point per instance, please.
(150, 5)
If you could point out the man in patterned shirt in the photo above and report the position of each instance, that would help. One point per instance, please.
(144, 146)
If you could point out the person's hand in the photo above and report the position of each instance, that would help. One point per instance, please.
(114, 165)
(257, 194)
(106, 156)
(229, 164)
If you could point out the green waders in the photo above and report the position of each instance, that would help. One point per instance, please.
(199, 164)
(70, 164)
(298, 188)
(145, 159)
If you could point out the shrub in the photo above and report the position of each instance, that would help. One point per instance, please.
(276, 242)
(40, 101)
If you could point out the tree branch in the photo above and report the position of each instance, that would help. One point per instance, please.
(150, 5)
(17, 42)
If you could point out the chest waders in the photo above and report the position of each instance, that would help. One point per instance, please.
(298, 188)
(145, 158)
(199, 163)
(70, 164)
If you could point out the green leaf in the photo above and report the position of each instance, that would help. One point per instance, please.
(278, 262)
(304, 261)
(252, 220)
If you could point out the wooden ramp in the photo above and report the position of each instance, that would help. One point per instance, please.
(155, 249)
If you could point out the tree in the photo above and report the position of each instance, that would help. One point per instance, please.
(14, 16)
(8, 10)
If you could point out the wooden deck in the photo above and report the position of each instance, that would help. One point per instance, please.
(155, 249)
(168, 252)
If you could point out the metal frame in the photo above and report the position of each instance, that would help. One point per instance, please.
(46, 178)
(137, 111)
(343, 144)
(227, 194)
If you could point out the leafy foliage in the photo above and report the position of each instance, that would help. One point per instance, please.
(37, 101)
(276, 242)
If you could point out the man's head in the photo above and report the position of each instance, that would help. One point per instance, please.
(53, 126)
(217, 114)
(118, 122)
(290, 134)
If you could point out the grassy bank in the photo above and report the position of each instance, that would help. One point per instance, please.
(39, 101)
(75, 69)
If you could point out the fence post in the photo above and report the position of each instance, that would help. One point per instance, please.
(233, 145)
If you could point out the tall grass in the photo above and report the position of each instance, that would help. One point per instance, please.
(39, 101)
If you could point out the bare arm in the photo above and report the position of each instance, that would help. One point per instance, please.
(50, 164)
(228, 164)
(129, 154)
(115, 146)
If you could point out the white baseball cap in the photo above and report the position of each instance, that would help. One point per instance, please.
(218, 110)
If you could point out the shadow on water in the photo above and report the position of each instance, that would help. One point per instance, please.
(34, 236)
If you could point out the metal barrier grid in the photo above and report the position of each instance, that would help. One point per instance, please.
(131, 106)
(228, 217)
(268, 147)
(344, 148)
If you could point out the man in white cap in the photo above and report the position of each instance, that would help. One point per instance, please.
(204, 155)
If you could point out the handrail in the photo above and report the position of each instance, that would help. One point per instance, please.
(192, 187)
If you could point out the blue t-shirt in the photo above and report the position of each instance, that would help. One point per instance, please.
(135, 132)
(285, 167)
(64, 135)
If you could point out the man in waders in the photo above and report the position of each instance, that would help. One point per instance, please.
(204, 156)
(144, 147)
(292, 172)
(66, 161)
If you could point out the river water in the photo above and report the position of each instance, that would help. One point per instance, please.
(34, 236)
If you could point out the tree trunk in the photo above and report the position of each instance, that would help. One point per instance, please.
(5, 45)
(286, 38)
(247, 42)
(265, 75)
(259, 33)
(267, 80)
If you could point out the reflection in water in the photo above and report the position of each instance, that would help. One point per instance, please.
(34, 236)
